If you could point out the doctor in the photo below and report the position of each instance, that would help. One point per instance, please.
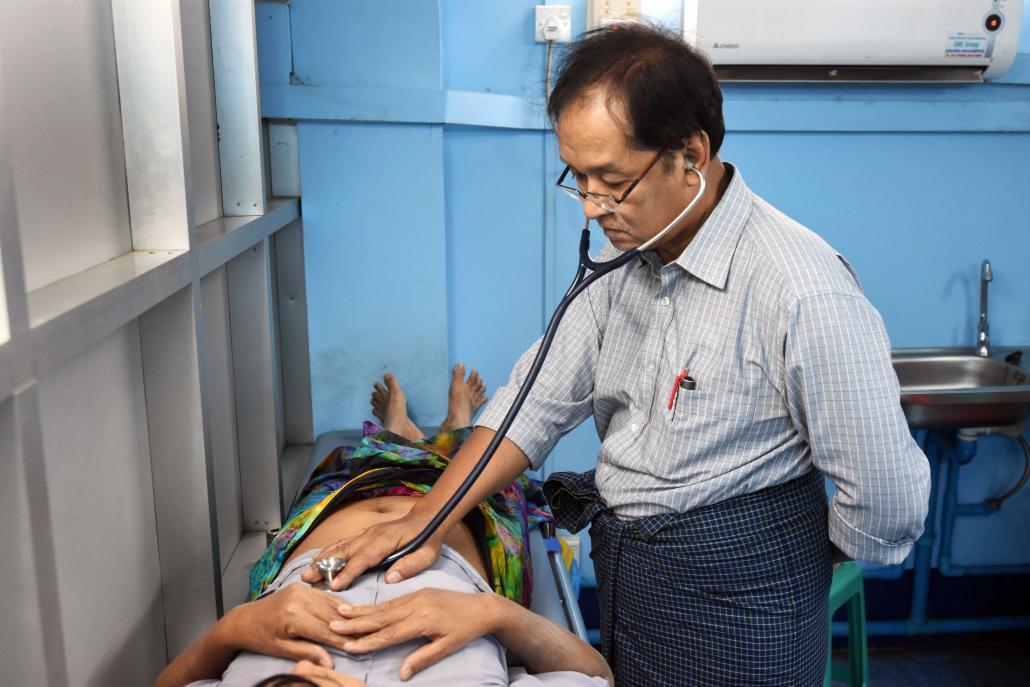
(711, 535)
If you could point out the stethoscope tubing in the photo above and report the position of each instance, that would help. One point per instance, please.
(579, 284)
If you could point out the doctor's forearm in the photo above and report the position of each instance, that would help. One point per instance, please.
(507, 464)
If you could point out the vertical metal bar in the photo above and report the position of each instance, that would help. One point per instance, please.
(219, 410)
(152, 89)
(963, 452)
(238, 104)
(276, 349)
(14, 309)
(204, 404)
(250, 324)
(28, 450)
(186, 533)
(293, 333)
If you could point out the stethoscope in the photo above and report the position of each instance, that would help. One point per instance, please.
(579, 284)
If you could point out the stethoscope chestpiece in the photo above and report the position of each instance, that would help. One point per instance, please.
(329, 567)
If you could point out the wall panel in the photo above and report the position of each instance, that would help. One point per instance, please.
(375, 267)
(64, 135)
(495, 211)
(252, 330)
(364, 35)
(182, 476)
(117, 404)
(21, 634)
(102, 509)
(503, 57)
(915, 214)
(272, 20)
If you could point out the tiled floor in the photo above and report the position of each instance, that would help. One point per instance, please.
(998, 660)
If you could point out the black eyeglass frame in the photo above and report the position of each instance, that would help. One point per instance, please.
(598, 198)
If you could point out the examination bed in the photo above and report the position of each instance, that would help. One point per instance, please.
(553, 595)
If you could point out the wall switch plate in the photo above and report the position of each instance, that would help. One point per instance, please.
(604, 12)
(553, 23)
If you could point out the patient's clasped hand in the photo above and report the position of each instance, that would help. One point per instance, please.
(449, 625)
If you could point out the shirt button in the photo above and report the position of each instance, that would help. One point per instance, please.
(665, 300)
(650, 367)
(634, 427)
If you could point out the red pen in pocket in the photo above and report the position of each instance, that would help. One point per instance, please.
(676, 386)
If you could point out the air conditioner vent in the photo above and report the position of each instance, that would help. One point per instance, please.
(753, 73)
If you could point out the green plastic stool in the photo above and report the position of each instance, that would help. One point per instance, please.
(847, 588)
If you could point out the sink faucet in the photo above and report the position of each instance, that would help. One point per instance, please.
(982, 339)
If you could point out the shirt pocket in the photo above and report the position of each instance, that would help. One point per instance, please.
(700, 408)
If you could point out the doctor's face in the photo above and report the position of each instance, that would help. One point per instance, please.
(593, 140)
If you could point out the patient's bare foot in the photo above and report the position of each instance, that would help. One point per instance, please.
(391, 408)
(464, 398)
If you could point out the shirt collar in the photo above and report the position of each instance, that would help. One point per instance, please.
(709, 254)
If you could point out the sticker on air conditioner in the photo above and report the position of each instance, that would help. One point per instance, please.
(966, 45)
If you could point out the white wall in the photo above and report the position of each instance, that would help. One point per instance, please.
(102, 512)
(21, 633)
(121, 483)
(65, 135)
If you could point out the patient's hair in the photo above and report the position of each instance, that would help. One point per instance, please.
(669, 89)
(286, 681)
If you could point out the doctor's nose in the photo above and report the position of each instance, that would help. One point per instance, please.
(592, 210)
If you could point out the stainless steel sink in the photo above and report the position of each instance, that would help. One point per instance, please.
(955, 388)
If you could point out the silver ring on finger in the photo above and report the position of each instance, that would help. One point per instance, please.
(329, 567)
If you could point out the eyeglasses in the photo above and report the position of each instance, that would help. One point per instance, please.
(606, 201)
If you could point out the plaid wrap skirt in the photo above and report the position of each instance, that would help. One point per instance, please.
(735, 593)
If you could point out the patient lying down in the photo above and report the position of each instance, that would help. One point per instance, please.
(460, 622)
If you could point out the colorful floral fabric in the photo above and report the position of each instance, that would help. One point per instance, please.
(385, 464)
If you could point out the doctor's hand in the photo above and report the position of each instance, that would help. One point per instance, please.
(376, 543)
(448, 619)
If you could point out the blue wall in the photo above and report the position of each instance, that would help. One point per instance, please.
(432, 233)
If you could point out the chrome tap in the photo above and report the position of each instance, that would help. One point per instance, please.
(982, 338)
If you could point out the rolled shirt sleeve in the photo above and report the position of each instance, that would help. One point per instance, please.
(562, 396)
(844, 398)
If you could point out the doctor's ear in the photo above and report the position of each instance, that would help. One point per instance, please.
(695, 153)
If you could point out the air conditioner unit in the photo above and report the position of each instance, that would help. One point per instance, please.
(855, 40)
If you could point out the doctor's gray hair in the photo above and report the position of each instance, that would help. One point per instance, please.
(668, 89)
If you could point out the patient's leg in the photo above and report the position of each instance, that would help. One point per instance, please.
(464, 398)
(390, 406)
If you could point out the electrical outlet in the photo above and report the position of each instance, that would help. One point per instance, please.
(553, 23)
